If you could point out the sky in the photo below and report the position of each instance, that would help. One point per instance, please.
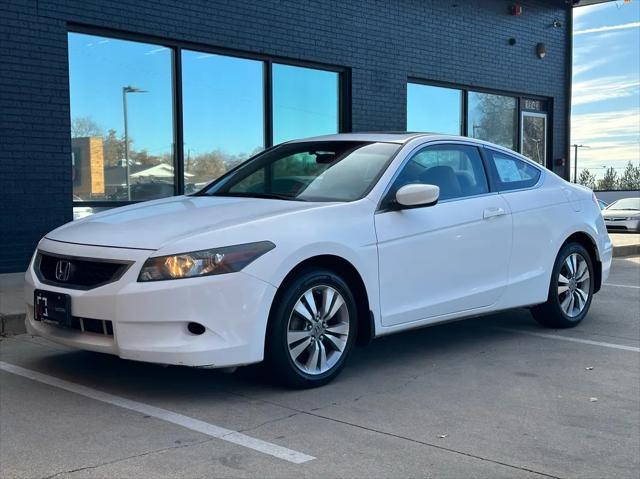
(606, 85)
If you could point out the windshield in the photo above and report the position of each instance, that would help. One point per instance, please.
(625, 204)
(309, 171)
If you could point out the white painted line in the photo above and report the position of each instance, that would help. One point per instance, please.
(622, 285)
(574, 340)
(165, 415)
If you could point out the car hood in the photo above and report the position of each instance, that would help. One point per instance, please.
(153, 224)
(619, 213)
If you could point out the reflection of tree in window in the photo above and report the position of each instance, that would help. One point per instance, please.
(533, 145)
(493, 118)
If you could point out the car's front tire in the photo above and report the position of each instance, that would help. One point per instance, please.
(570, 291)
(312, 329)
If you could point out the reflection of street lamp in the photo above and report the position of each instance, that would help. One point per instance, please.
(575, 169)
(475, 129)
(125, 90)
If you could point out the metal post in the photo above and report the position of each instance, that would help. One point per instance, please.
(575, 159)
(125, 90)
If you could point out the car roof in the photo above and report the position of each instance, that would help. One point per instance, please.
(400, 137)
(403, 137)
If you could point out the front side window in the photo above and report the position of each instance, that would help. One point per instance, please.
(493, 118)
(456, 169)
(305, 102)
(513, 173)
(223, 114)
(121, 119)
(309, 171)
(434, 109)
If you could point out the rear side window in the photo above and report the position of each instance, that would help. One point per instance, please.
(513, 173)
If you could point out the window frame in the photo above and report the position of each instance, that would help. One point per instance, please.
(176, 47)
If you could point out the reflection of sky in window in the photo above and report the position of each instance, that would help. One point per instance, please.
(222, 103)
(433, 109)
(305, 102)
(222, 96)
(99, 68)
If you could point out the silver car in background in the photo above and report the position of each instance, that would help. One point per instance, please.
(623, 215)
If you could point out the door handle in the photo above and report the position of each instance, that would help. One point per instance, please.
(493, 212)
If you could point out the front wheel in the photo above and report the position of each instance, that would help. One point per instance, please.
(312, 330)
(570, 291)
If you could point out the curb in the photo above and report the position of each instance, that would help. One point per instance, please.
(12, 324)
(626, 250)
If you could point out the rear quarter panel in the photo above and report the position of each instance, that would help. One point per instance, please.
(543, 218)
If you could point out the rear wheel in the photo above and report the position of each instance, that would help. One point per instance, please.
(570, 291)
(312, 330)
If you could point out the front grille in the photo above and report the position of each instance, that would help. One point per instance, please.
(89, 325)
(77, 273)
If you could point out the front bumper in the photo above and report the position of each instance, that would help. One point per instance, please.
(622, 225)
(150, 319)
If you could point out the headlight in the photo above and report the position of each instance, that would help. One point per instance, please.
(203, 263)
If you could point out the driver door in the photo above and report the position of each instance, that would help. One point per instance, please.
(448, 258)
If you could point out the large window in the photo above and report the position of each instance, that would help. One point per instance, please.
(434, 109)
(127, 143)
(305, 102)
(121, 119)
(223, 114)
(493, 118)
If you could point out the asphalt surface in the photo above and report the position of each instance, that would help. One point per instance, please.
(488, 397)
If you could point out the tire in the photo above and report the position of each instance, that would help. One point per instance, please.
(308, 345)
(572, 278)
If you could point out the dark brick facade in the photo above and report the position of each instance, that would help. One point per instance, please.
(382, 42)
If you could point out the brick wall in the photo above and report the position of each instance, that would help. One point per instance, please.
(383, 42)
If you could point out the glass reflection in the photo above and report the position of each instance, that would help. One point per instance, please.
(222, 114)
(493, 118)
(434, 109)
(305, 102)
(121, 119)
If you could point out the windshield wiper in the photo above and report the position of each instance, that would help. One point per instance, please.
(270, 196)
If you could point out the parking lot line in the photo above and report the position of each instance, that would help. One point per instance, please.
(622, 285)
(163, 414)
(574, 340)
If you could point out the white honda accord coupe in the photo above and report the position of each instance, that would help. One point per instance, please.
(316, 245)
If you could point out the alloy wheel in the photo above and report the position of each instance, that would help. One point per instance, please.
(318, 330)
(574, 285)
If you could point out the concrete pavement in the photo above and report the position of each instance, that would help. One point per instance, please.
(484, 397)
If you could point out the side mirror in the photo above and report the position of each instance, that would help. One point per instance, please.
(417, 195)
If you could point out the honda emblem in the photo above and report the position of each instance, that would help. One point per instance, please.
(63, 269)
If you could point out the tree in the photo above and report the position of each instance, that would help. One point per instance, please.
(630, 179)
(610, 180)
(113, 149)
(494, 119)
(587, 179)
(83, 126)
(207, 166)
